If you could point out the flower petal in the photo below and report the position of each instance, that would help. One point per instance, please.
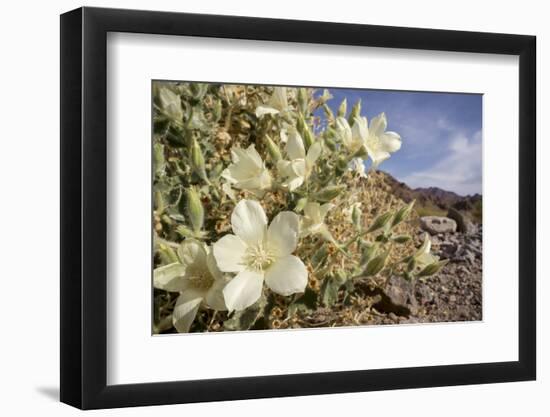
(390, 141)
(344, 131)
(288, 275)
(313, 153)
(324, 209)
(378, 125)
(249, 222)
(295, 146)
(263, 110)
(185, 310)
(229, 252)
(243, 290)
(213, 266)
(214, 297)
(360, 130)
(293, 182)
(312, 210)
(378, 157)
(170, 277)
(191, 252)
(279, 99)
(282, 235)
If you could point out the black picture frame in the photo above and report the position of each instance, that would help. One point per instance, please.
(84, 207)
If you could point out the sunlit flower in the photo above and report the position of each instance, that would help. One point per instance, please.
(276, 104)
(198, 280)
(357, 165)
(170, 103)
(313, 221)
(248, 171)
(298, 169)
(352, 140)
(257, 252)
(376, 141)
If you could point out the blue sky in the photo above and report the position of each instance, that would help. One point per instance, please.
(441, 135)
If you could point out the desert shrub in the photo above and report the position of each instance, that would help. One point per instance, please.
(263, 208)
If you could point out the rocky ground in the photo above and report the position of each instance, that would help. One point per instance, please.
(454, 294)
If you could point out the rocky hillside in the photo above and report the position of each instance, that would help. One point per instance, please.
(433, 200)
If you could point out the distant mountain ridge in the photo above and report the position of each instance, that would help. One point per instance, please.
(433, 198)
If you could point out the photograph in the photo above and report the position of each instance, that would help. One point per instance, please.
(291, 207)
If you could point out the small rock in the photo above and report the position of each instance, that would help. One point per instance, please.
(435, 224)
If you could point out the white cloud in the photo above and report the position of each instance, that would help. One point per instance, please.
(460, 171)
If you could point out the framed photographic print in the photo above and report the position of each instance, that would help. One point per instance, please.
(256, 208)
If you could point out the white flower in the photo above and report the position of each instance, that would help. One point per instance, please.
(423, 257)
(198, 280)
(377, 142)
(171, 104)
(298, 169)
(358, 166)
(276, 104)
(313, 221)
(351, 138)
(257, 252)
(248, 171)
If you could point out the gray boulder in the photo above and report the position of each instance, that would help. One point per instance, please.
(436, 224)
(463, 223)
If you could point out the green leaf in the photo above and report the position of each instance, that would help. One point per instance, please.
(368, 253)
(329, 291)
(308, 301)
(320, 256)
(376, 264)
(328, 193)
(162, 276)
(158, 159)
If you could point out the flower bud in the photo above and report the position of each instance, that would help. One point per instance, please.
(195, 210)
(160, 205)
(433, 268)
(380, 222)
(401, 239)
(342, 164)
(170, 103)
(197, 160)
(217, 110)
(411, 264)
(329, 192)
(355, 112)
(343, 108)
(300, 204)
(273, 149)
(303, 100)
(402, 214)
(330, 144)
(356, 216)
(308, 137)
(328, 112)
